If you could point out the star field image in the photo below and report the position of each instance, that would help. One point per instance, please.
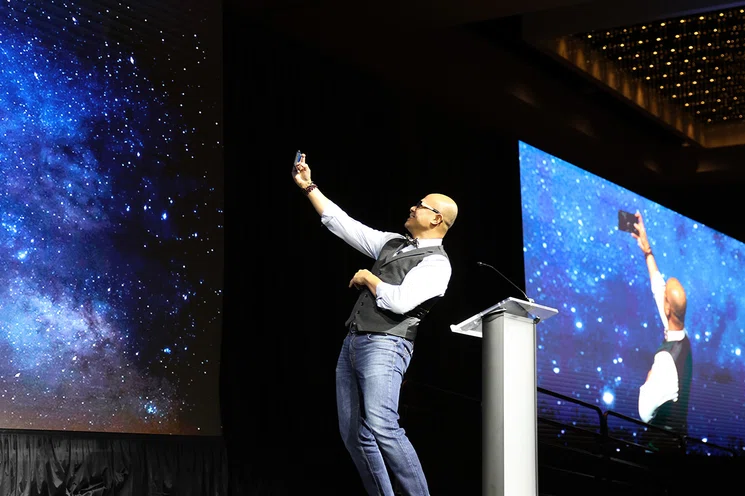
(600, 346)
(110, 220)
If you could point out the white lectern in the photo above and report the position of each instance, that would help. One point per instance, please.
(509, 451)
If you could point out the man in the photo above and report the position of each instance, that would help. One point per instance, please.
(663, 398)
(407, 278)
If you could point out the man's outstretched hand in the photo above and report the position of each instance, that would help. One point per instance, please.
(301, 173)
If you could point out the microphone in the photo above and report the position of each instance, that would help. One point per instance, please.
(507, 279)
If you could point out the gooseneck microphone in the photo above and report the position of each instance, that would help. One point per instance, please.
(531, 300)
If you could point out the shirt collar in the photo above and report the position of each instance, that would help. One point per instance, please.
(429, 242)
(674, 335)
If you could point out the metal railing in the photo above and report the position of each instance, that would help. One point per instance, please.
(606, 448)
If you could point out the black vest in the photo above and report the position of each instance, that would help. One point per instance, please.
(674, 414)
(366, 316)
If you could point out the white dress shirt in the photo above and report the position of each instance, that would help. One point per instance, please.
(428, 279)
(662, 385)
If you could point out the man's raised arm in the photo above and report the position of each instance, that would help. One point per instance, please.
(301, 175)
(643, 242)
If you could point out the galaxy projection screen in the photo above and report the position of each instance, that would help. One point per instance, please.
(601, 345)
(110, 216)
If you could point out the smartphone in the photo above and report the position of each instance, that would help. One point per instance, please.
(626, 221)
(298, 156)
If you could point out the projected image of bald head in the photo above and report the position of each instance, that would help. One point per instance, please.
(674, 303)
(663, 398)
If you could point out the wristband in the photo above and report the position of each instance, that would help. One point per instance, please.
(310, 188)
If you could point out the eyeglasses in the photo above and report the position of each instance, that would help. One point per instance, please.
(421, 204)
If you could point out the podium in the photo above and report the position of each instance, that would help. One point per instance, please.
(509, 451)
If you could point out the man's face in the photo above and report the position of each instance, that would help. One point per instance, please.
(422, 215)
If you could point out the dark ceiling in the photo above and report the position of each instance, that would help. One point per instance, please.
(679, 64)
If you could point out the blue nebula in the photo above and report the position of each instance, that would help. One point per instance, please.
(86, 282)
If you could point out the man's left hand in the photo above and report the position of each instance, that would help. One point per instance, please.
(360, 279)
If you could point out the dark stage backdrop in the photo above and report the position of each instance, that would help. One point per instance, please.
(111, 211)
(375, 153)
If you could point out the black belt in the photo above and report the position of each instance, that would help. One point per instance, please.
(354, 330)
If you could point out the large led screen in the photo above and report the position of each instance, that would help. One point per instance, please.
(601, 345)
(110, 217)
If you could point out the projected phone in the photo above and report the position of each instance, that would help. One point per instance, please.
(626, 221)
(298, 156)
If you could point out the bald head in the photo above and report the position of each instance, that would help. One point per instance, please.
(446, 206)
(675, 304)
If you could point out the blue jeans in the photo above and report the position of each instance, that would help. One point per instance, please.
(369, 374)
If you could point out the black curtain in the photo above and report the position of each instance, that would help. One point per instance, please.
(47, 464)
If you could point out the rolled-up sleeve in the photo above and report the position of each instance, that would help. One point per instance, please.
(662, 386)
(428, 279)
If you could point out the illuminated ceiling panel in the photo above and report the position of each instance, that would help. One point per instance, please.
(695, 63)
